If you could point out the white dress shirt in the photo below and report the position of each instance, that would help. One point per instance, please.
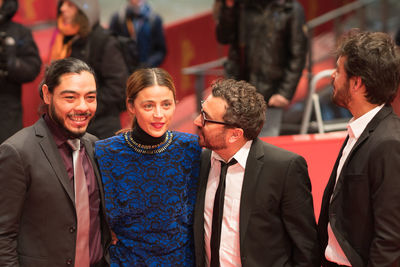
(333, 251)
(229, 251)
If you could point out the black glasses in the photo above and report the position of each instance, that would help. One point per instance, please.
(204, 120)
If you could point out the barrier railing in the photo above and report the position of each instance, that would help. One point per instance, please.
(313, 102)
(201, 71)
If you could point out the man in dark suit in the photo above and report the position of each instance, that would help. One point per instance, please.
(39, 212)
(359, 223)
(260, 213)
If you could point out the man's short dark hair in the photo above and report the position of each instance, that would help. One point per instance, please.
(374, 57)
(246, 107)
(61, 67)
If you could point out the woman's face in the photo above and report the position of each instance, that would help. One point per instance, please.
(68, 11)
(136, 3)
(153, 108)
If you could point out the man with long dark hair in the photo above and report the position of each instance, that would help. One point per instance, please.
(52, 200)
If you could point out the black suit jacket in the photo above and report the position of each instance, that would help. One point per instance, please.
(277, 223)
(365, 208)
(37, 210)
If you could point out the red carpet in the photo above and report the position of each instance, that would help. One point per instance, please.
(320, 152)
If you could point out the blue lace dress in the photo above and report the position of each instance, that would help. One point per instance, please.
(150, 193)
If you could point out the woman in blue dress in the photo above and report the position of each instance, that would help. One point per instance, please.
(150, 178)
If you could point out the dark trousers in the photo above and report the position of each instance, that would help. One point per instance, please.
(101, 263)
(332, 264)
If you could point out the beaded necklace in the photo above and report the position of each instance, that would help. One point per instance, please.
(148, 149)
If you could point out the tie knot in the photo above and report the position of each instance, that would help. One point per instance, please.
(230, 163)
(75, 144)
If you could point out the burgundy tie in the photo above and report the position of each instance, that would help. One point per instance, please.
(82, 257)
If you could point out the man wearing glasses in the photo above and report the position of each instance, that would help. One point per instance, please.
(254, 205)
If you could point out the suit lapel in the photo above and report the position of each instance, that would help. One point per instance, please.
(332, 179)
(384, 112)
(52, 154)
(105, 236)
(251, 175)
(324, 212)
(90, 152)
(199, 209)
(339, 182)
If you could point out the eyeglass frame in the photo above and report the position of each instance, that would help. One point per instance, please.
(204, 119)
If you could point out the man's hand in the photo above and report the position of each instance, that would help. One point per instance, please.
(278, 101)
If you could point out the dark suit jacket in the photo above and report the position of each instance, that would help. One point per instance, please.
(277, 223)
(37, 210)
(365, 208)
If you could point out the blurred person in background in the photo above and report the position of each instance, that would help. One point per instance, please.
(267, 47)
(19, 63)
(80, 35)
(137, 20)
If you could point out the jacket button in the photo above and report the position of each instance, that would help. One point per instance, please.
(69, 261)
(72, 229)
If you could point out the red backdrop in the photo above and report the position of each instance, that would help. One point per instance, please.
(320, 151)
(34, 11)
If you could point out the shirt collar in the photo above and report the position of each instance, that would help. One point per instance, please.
(240, 156)
(59, 133)
(356, 127)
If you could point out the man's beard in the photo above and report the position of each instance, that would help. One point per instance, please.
(54, 116)
(341, 96)
(217, 142)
